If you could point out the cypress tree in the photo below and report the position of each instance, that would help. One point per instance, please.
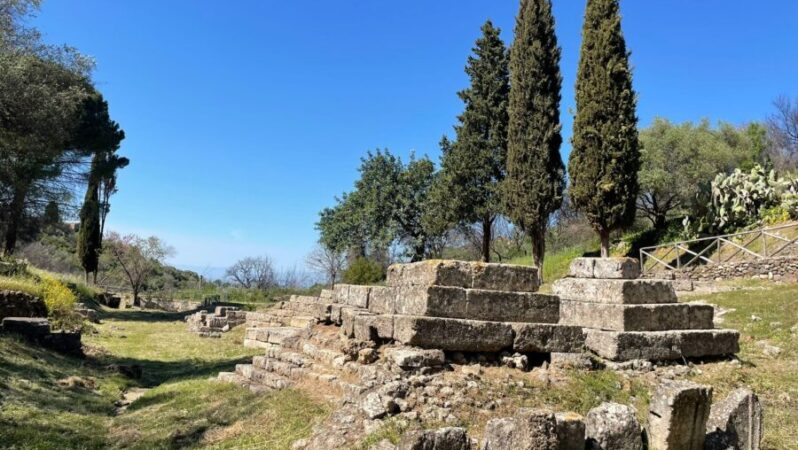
(605, 156)
(473, 166)
(535, 171)
(89, 239)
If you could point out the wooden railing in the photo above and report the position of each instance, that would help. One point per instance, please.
(750, 245)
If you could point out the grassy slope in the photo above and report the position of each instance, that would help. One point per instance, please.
(183, 409)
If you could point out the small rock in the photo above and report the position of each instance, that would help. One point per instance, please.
(768, 350)
(373, 406)
(612, 426)
(755, 318)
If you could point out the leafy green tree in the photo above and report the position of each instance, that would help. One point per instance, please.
(535, 171)
(605, 157)
(679, 162)
(364, 271)
(473, 167)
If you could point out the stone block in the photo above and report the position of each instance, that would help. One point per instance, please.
(662, 345)
(505, 277)
(529, 429)
(348, 315)
(452, 334)
(29, 327)
(618, 317)
(612, 426)
(335, 313)
(570, 428)
(433, 301)
(382, 300)
(615, 291)
(358, 296)
(373, 327)
(581, 267)
(735, 422)
(431, 272)
(416, 358)
(511, 306)
(547, 338)
(677, 415)
(326, 294)
(441, 439)
(340, 293)
(608, 268)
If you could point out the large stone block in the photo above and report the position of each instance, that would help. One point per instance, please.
(661, 317)
(416, 358)
(358, 296)
(340, 293)
(612, 426)
(511, 306)
(735, 422)
(452, 334)
(662, 345)
(382, 300)
(547, 338)
(348, 315)
(441, 439)
(373, 327)
(570, 431)
(615, 291)
(477, 275)
(433, 301)
(529, 429)
(431, 272)
(609, 268)
(677, 416)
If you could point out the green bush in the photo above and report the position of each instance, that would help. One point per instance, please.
(774, 215)
(364, 271)
(60, 302)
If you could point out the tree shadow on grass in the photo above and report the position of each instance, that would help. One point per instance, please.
(136, 315)
(154, 373)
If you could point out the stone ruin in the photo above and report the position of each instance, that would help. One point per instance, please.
(222, 320)
(382, 350)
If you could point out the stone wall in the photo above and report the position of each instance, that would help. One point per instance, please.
(781, 268)
(177, 306)
(21, 304)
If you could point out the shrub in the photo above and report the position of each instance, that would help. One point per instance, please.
(774, 215)
(60, 302)
(364, 271)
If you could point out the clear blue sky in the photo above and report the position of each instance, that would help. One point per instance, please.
(245, 118)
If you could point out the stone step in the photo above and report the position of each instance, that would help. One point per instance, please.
(261, 377)
(471, 275)
(660, 317)
(233, 377)
(320, 354)
(319, 311)
(662, 345)
(450, 334)
(352, 295)
(547, 338)
(257, 337)
(297, 359)
(282, 368)
(626, 292)
(462, 303)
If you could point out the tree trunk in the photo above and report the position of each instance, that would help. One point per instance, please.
(659, 221)
(538, 236)
(16, 209)
(487, 228)
(136, 301)
(605, 243)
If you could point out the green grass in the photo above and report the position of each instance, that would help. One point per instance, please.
(183, 408)
(27, 285)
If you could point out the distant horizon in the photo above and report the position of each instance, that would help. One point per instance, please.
(243, 123)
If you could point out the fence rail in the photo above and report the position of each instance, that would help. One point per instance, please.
(750, 245)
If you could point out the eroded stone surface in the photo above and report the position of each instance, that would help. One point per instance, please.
(529, 429)
(415, 358)
(615, 291)
(546, 338)
(662, 345)
(463, 274)
(612, 426)
(442, 439)
(570, 431)
(677, 416)
(670, 316)
(453, 334)
(735, 422)
(611, 268)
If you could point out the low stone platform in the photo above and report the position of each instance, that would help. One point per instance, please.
(222, 320)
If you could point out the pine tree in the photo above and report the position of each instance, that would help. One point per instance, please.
(605, 157)
(535, 171)
(475, 164)
(89, 239)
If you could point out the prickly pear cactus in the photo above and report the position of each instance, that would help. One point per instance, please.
(738, 198)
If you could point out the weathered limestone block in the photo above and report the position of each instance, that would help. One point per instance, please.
(433, 301)
(611, 268)
(373, 327)
(735, 422)
(416, 358)
(677, 416)
(21, 304)
(326, 294)
(511, 306)
(612, 426)
(547, 338)
(29, 327)
(382, 300)
(358, 296)
(340, 293)
(431, 273)
(529, 429)
(335, 313)
(570, 431)
(505, 277)
(662, 345)
(476, 275)
(615, 291)
(441, 439)
(452, 334)
(666, 316)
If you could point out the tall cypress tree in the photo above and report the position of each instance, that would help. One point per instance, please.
(89, 239)
(473, 166)
(535, 171)
(605, 157)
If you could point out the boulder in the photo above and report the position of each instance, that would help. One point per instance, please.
(529, 429)
(612, 426)
(441, 439)
(735, 422)
(677, 416)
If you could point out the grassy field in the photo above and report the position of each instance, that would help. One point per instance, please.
(50, 401)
